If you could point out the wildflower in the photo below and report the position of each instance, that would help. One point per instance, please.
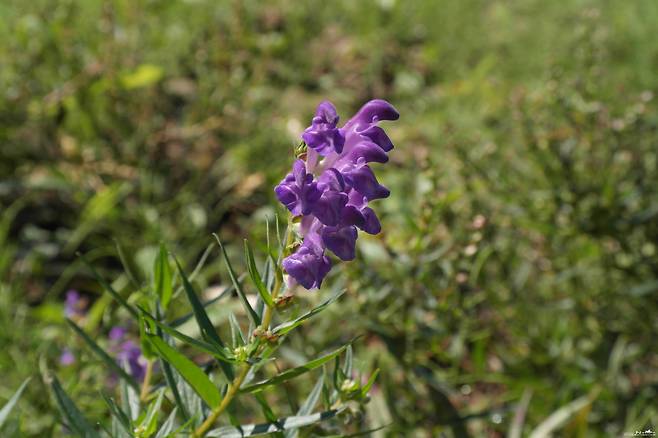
(67, 357)
(74, 305)
(331, 188)
(127, 352)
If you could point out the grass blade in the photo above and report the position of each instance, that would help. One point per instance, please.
(250, 311)
(558, 418)
(516, 428)
(7, 408)
(309, 404)
(109, 288)
(118, 414)
(168, 425)
(208, 331)
(163, 277)
(255, 275)
(74, 418)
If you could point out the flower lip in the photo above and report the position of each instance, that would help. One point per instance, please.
(372, 112)
(323, 135)
(341, 241)
(307, 267)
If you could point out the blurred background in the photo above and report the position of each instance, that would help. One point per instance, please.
(517, 273)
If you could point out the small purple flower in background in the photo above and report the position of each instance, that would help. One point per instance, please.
(127, 352)
(67, 357)
(332, 188)
(74, 305)
(75, 308)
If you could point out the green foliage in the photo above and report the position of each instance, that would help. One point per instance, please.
(7, 408)
(518, 253)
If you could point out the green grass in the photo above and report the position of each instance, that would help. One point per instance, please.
(519, 243)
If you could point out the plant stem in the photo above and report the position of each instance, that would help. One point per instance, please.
(146, 385)
(234, 386)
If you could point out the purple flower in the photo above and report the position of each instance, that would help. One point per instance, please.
(66, 358)
(298, 191)
(331, 190)
(329, 206)
(307, 266)
(74, 305)
(127, 352)
(323, 136)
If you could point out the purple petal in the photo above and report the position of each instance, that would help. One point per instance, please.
(332, 179)
(371, 224)
(369, 151)
(297, 191)
(307, 267)
(341, 241)
(117, 333)
(67, 358)
(329, 207)
(351, 215)
(326, 113)
(323, 135)
(372, 112)
(363, 180)
(378, 136)
(287, 196)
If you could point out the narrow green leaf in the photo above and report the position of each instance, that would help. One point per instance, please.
(168, 426)
(183, 319)
(145, 326)
(560, 417)
(265, 407)
(309, 404)
(371, 381)
(347, 366)
(109, 288)
(312, 399)
(243, 298)
(109, 361)
(293, 372)
(237, 338)
(286, 327)
(129, 396)
(516, 427)
(208, 331)
(189, 371)
(168, 373)
(163, 277)
(215, 351)
(200, 264)
(288, 423)
(118, 413)
(126, 265)
(255, 276)
(7, 408)
(150, 423)
(74, 418)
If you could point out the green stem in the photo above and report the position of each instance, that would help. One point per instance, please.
(234, 386)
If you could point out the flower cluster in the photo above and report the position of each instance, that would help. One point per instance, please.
(331, 188)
